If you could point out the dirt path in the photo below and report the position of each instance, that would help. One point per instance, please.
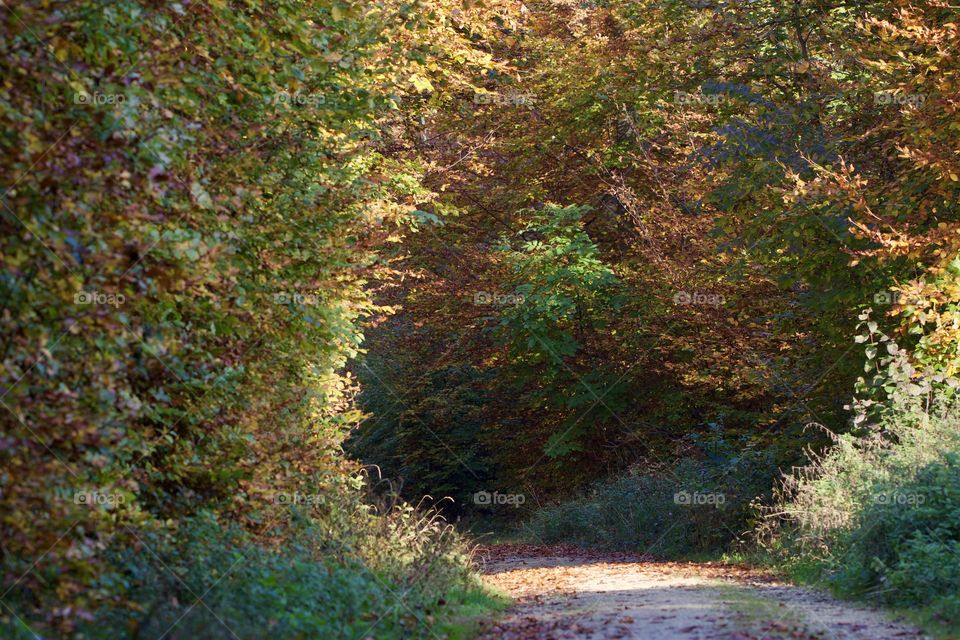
(563, 593)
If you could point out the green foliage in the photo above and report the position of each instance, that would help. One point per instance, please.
(563, 286)
(892, 382)
(700, 504)
(879, 516)
(565, 293)
(342, 572)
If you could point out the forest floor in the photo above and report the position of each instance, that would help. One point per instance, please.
(563, 592)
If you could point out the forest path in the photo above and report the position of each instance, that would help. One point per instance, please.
(563, 592)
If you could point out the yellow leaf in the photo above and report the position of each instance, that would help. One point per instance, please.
(421, 84)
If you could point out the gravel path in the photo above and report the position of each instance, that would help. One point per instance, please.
(563, 592)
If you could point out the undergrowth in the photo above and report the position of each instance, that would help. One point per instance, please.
(878, 516)
(346, 570)
(700, 505)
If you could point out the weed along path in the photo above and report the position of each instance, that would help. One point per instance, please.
(563, 592)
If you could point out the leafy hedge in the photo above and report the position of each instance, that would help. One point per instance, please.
(192, 193)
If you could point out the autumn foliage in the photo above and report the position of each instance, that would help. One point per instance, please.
(512, 247)
(748, 178)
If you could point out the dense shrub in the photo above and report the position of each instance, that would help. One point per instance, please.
(700, 504)
(343, 570)
(879, 515)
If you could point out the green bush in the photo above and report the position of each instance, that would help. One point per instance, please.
(701, 504)
(879, 515)
(337, 572)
